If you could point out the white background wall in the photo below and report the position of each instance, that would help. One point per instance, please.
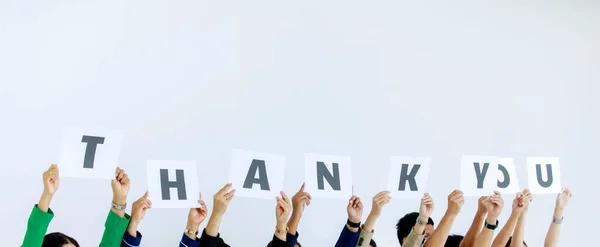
(194, 79)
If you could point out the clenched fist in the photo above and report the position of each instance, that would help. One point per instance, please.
(197, 215)
(51, 180)
(455, 202)
(120, 186)
(354, 209)
(494, 205)
(426, 207)
(283, 209)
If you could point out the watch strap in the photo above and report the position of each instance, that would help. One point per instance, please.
(118, 207)
(491, 227)
(191, 232)
(352, 224)
(420, 222)
(557, 220)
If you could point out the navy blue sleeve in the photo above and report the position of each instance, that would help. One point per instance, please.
(291, 240)
(188, 242)
(131, 241)
(347, 238)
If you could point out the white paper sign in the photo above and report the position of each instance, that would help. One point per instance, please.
(508, 183)
(543, 175)
(258, 175)
(408, 176)
(328, 176)
(479, 175)
(173, 184)
(89, 153)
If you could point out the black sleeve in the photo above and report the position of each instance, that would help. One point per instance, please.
(276, 242)
(210, 241)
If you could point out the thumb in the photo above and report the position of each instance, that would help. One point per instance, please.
(302, 188)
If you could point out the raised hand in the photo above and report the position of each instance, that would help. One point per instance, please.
(120, 186)
(51, 180)
(222, 198)
(562, 200)
(455, 202)
(354, 209)
(494, 205)
(197, 215)
(481, 209)
(139, 207)
(283, 209)
(380, 200)
(300, 200)
(518, 204)
(426, 207)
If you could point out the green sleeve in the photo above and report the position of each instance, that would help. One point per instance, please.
(37, 225)
(114, 228)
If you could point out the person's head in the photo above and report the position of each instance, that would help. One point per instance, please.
(406, 223)
(510, 240)
(453, 241)
(297, 244)
(57, 239)
(372, 243)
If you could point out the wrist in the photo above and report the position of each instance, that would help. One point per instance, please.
(423, 217)
(119, 200)
(281, 225)
(558, 213)
(192, 226)
(491, 220)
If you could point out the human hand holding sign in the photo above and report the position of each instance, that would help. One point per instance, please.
(299, 201)
(120, 187)
(138, 211)
(283, 209)
(379, 201)
(355, 210)
(221, 201)
(195, 217)
(494, 207)
(562, 200)
(51, 180)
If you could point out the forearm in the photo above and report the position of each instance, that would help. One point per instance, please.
(280, 231)
(370, 222)
(485, 237)
(44, 203)
(519, 234)
(293, 223)
(474, 230)
(440, 235)
(554, 231)
(504, 234)
(132, 228)
(214, 223)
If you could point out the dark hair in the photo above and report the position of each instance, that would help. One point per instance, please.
(372, 243)
(405, 225)
(298, 243)
(57, 239)
(453, 241)
(271, 244)
(510, 240)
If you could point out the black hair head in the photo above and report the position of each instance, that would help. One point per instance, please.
(406, 223)
(57, 239)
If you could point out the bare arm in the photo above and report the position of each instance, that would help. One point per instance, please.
(221, 201)
(476, 225)
(494, 207)
(440, 235)
(519, 234)
(554, 232)
(506, 232)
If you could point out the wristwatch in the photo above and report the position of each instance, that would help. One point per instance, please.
(118, 207)
(491, 227)
(279, 231)
(420, 222)
(352, 224)
(188, 231)
(557, 220)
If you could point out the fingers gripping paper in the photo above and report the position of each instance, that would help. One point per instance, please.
(173, 184)
(89, 153)
(328, 176)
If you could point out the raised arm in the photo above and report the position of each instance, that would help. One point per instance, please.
(138, 210)
(366, 232)
(494, 207)
(41, 215)
(349, 234)
(417, 233)
(475, 228)
(440, 235)
(195, 217)
(299, 201)
(282, 214)
(519, 233)
(517, 208)
(117, 221)
(221, 199)
(562, 200)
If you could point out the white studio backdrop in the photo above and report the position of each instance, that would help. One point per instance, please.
(191, 80)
